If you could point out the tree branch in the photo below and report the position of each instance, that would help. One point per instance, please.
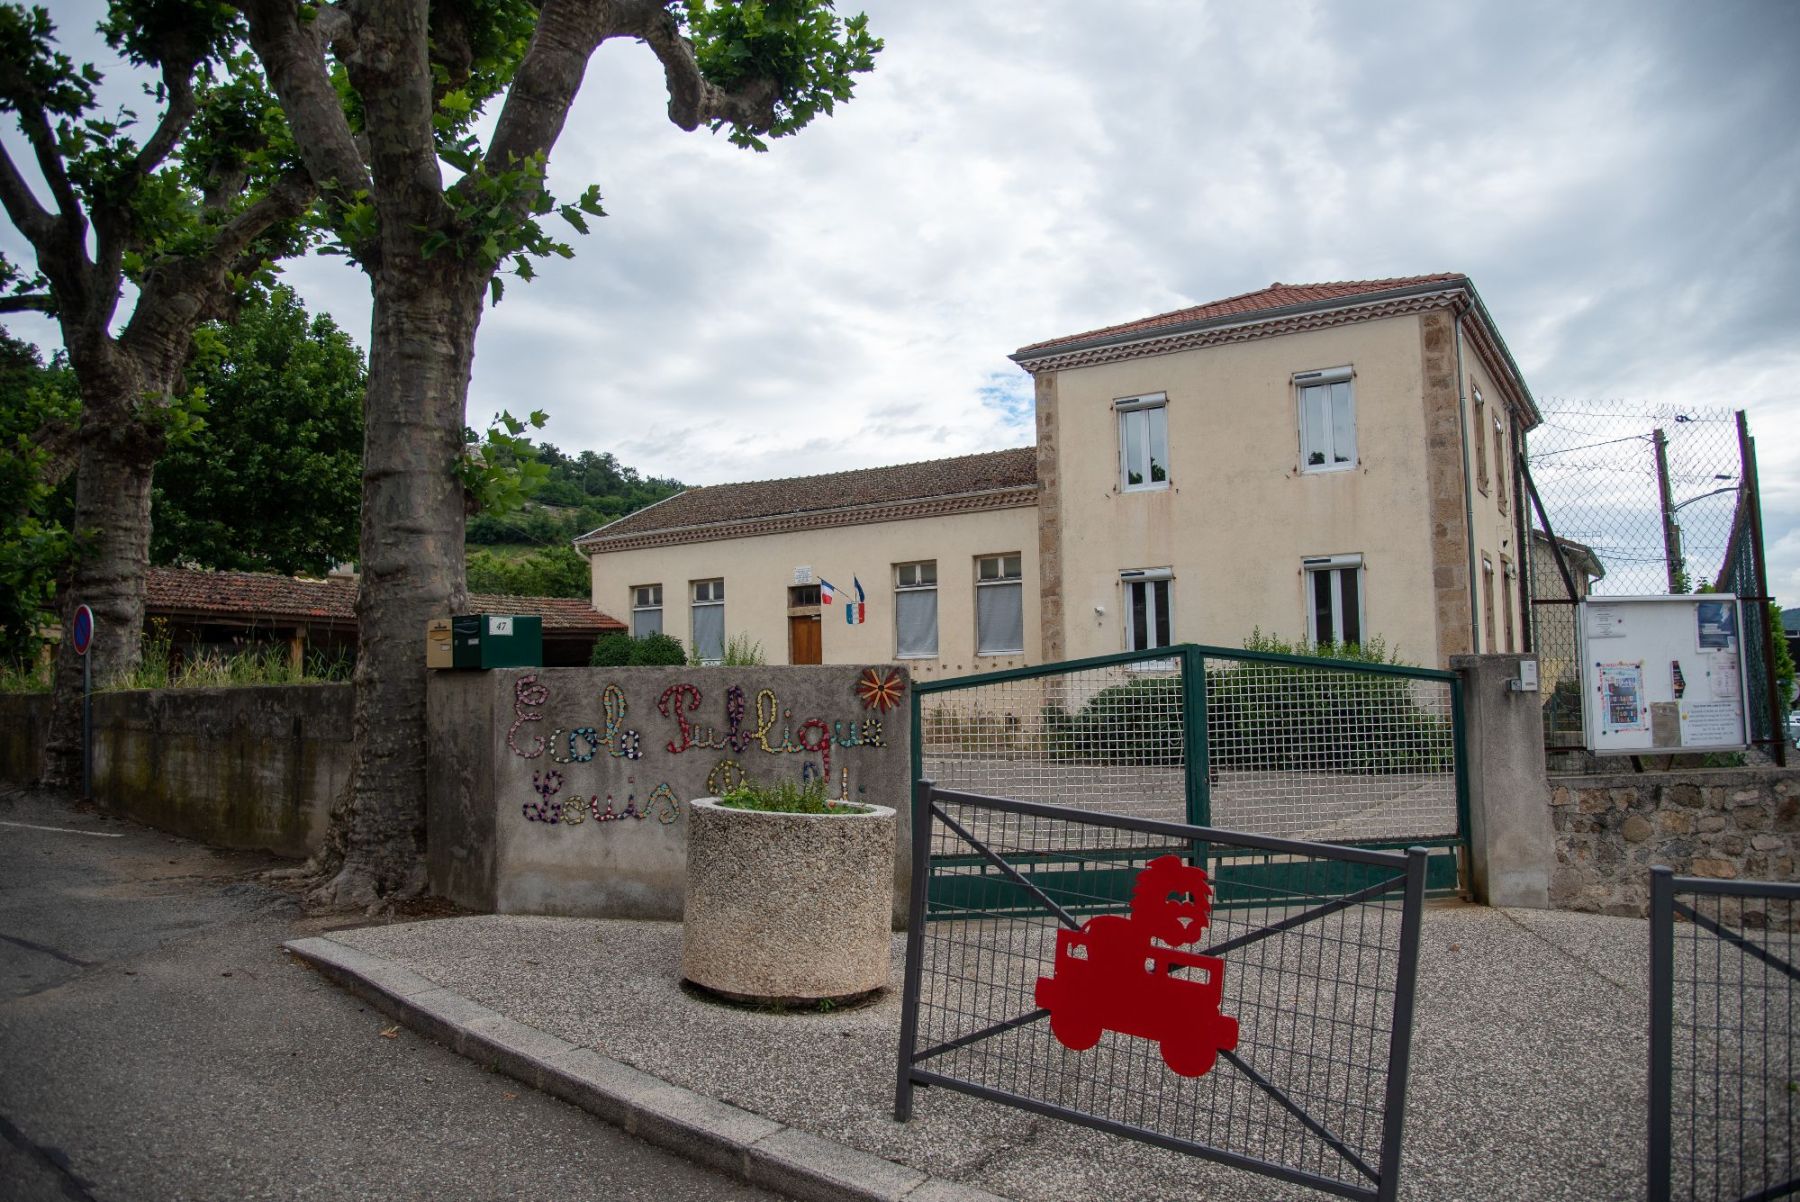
(390, 68)
(692, 100)
(544, 86)
(37, 302)
(60, 443)
(293, 56)
(177, 295)
(182, 106)
(37, 131)
(31, 218)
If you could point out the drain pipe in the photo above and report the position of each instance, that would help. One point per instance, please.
(1462, 423)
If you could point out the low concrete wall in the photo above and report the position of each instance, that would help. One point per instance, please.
(1726, 823)
(253, 767)
(565, 790)
(24, 725)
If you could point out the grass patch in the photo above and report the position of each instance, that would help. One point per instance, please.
(788, 797)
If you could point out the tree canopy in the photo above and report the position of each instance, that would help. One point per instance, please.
(186, 205)
(271, 481)
(34, 539)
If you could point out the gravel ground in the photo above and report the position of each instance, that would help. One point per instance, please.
(1528, 1074)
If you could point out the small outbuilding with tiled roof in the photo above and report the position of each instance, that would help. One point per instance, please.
(1333, 462)
(225, 611)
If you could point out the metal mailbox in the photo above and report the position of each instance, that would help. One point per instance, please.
(497, 641)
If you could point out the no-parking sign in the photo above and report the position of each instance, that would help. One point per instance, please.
(83, 635)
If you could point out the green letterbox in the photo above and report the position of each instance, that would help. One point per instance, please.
(497, 641)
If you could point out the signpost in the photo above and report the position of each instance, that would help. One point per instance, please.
(82, 637)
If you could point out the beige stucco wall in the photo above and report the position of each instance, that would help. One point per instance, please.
(758, 572)
(1240, 515)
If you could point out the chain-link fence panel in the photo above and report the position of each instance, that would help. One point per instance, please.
(1641, 500)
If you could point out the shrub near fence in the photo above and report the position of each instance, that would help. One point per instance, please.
(1263, 717)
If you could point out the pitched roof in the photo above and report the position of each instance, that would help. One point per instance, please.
(287, 598)
(865, 493)
(1276, 296)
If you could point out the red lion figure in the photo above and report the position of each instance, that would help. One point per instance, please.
(1117, 973)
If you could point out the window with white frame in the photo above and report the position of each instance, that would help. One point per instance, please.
(915, 610)
(1143, 441)
(646, 610)
(999, 605)
(1327, 420)
(1147, 618)
(708, 612)
(1334, 599)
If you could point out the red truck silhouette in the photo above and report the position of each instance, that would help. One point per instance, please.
(1116, 973)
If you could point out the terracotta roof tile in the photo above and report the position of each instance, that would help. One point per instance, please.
(1275, 296)
(721, 504)
(287, 598)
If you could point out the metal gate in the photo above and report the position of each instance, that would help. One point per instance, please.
(1279, 1043)
(1724, 1038)
(1299, 747)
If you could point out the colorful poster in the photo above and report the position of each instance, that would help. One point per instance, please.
(1622, 705)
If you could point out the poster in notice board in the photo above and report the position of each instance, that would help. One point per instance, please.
(1662, 674)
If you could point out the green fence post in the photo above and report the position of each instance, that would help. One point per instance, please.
(1196, 754)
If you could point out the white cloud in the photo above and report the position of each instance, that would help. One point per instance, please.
(1620, 179)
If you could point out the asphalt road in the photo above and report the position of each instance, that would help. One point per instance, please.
(157, 1043)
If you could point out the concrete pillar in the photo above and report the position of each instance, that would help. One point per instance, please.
(1512, 849)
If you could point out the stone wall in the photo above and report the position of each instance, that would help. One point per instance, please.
(253, 767)
(565, 791)
(1728, 824)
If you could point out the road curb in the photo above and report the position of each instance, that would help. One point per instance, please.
(735, 1142)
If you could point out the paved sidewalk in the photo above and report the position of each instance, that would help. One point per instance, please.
(1528, 1077)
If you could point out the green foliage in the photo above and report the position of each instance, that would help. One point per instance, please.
(579, 493)
(498, 470)
(34, 544)
(788, 797)
(1784, 663)
(25, 676)
(154, 211)
(620, 650)
(1266, 716)
(800, 47)
(555, 571)
(271, 481)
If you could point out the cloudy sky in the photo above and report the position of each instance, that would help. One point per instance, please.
(1619, 179)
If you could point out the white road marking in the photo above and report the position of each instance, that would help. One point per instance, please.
(63, 830)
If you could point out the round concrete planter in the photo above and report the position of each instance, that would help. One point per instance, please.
(787, 907)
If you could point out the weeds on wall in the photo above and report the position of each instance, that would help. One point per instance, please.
(24, 678)
(269, 663)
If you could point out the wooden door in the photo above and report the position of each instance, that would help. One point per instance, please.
(805, 646)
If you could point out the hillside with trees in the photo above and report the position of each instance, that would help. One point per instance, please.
(529, 550)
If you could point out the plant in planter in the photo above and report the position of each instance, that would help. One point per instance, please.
(788, 895)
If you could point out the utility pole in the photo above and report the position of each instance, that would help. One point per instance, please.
(1671, 532)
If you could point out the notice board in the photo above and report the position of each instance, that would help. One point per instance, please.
(1663, 674)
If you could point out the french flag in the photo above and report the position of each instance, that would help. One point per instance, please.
(854, 613)
(826, 592)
